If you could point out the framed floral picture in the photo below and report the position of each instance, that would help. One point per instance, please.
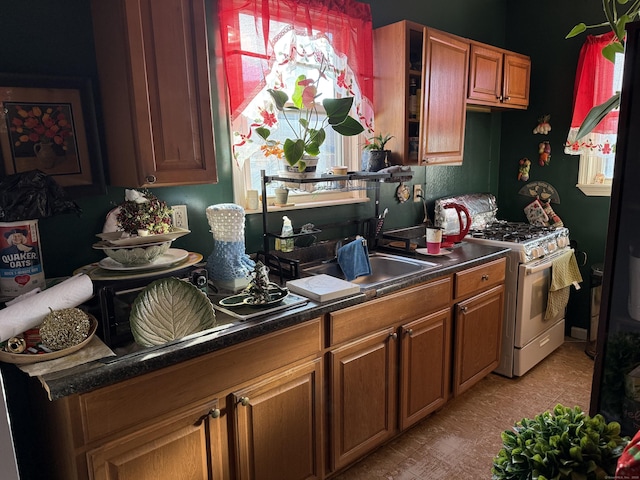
(49, 124)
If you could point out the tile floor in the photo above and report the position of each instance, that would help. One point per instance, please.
(460, 441)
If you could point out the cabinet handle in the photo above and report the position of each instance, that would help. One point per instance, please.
(150, 178)
(485, 277)
(506, 99)
(409, 331)
(463, 309)
(244, 401)
(214, 413)
(393, 336)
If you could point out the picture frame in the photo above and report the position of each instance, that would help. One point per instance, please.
(49, 123)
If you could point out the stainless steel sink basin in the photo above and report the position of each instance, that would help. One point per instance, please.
(384, 267)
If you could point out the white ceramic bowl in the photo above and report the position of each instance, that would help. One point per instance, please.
(137, 255)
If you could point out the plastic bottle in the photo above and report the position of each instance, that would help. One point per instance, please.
(286, 244)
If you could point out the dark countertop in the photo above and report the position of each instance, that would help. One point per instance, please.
(231, 331)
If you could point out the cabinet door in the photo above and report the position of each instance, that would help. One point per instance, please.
(444, 93)
(190, 447)
(425, 366)
(478, 329)
(278, 426)
(517, 70)
(485, 74)
(153, 62)
(363, 396)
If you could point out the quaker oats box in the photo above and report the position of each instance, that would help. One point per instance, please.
(20, 258)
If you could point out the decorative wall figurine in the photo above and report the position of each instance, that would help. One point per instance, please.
(523, 169)
(544, 127)
(544, 149)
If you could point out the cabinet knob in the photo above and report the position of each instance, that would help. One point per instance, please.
(150, 178)
(409, 331)
(244, 401)
(499, 98)
(506, 99)
(463, 309)
(485, 277)
(393, 336)
(214, 413)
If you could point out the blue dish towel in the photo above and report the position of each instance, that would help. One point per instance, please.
(353, 259)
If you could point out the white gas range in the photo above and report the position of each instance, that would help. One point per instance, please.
(527, 337)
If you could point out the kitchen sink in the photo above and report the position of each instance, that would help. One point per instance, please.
(384, 267)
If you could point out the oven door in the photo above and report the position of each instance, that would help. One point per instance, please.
(534, 279)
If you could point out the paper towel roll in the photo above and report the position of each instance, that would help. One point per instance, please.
(29, 313)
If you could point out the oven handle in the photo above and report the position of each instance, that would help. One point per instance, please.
(544, 263)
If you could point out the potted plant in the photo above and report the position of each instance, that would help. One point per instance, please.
(301, 115)
(374, 155)
(565, 444)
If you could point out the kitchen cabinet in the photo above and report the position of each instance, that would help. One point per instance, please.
(364, 361)
(153, 64)
(498, 78)
(277, 419)
(188, 414)
(479, 306)
(425, 366)
(438, 62)
(180, 448)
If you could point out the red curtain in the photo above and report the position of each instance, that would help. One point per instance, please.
(593, 86)
(249, 27)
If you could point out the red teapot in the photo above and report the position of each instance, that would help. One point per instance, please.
(449, 240)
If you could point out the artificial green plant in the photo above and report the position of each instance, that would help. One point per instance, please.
(565, 444)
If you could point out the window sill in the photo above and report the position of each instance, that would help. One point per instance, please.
(595, 190)
(304, 205)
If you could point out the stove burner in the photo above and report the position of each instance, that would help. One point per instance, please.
(511, 231)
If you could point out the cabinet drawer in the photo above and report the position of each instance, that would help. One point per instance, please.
(403, 306)
(479, 278)
(130, 403)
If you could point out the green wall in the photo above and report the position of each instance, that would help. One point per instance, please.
(554, 61)
(494, 142)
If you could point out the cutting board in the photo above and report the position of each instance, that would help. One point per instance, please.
(322, 288)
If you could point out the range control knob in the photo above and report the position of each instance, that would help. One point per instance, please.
(562, 242)
(552, 246)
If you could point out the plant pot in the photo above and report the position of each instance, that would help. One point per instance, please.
(294, 171)
(282, 195)
(375, 160)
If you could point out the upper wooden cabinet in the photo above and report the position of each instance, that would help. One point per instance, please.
(443, 107)
(153, 63)
(498, 78)
(438, 63)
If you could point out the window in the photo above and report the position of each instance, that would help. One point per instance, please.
(268, 48)
(597, 80)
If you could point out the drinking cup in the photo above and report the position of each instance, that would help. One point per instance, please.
(340, 170)
(434, 239)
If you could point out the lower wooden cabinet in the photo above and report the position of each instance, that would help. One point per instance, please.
(478, 327)
(363, 396)
(190, 446)
(278, 426)
(425, 366)
(299, 403)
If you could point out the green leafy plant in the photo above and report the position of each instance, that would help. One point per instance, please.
(377, 143)
(617, 13)
(565, 444)
(301, 115)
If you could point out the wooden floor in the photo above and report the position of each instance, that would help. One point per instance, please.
(460, 441)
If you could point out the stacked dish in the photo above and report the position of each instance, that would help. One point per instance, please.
(139, 252)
